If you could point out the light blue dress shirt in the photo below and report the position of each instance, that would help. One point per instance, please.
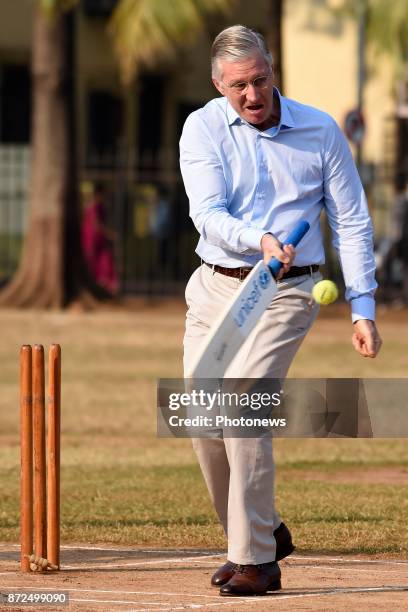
(242, 182)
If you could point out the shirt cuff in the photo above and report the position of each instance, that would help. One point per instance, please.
(251, 238)
(363, 308)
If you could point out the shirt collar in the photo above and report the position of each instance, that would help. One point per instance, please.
(286, 118)
(232, 114)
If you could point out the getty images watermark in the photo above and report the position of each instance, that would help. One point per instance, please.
(223, 406)
(317, 408)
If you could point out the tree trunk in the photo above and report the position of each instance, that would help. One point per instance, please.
(274, 39)
(52, 272)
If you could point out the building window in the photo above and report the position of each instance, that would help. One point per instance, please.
(104, 125)
(15, 104)
(150, 120)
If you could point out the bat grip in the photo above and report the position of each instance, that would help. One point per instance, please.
(294, 237)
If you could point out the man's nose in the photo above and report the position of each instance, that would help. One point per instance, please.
(252, 93)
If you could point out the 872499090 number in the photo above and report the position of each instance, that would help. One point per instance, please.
(30, 598)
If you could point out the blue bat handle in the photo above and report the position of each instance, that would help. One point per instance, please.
(294, 238)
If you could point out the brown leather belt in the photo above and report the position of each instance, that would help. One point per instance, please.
(242, 273)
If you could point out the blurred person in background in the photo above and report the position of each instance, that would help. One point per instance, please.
(97, 242)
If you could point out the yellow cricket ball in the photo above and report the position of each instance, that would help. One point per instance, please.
(325, 292)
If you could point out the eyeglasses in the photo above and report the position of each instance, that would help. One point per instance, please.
(260, 82)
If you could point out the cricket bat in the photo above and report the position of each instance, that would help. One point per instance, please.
(240, 315)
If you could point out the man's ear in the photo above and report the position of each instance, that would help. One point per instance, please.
(218, 85)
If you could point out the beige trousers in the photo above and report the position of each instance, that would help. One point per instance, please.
(239, 472)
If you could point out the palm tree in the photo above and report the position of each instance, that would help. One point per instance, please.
(52, 272)
(45, 270)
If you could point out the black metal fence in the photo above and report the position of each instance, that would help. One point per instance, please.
(148, 210)
(14, 185)
(146, 207)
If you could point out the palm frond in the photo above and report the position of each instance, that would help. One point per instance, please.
(387, 27)
(145, 31)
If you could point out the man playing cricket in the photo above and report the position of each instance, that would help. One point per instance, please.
(255, 163)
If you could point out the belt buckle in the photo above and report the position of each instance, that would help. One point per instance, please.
(243, 273)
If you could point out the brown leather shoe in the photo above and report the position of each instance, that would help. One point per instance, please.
(284, 547)
(223, 574)
(253, 580)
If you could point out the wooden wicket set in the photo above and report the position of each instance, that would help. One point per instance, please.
(40, 459)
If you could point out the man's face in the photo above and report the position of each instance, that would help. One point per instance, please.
(252, 101)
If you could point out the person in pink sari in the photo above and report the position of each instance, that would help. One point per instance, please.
(97, 243)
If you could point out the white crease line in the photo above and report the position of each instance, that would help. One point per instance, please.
(339, 569)
(342, 560)
(181, 607)
(130, 565)
(118, 602)
(126, 550)
(198, 551)
(202, 558)
(171, 609)
(205, 553)
(205, 559)
(136, 563)
(263, 600)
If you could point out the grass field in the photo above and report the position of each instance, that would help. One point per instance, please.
(121, 484)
